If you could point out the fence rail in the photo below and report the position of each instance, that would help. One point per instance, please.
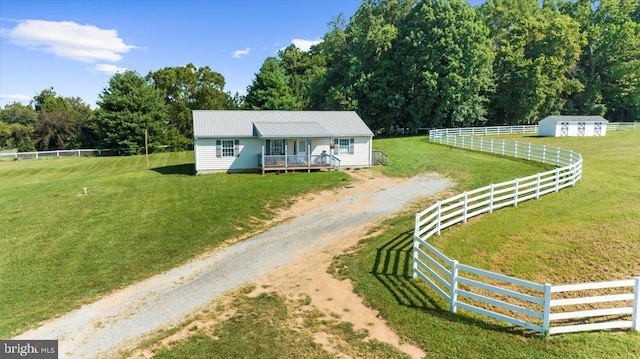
(380, 157)
(512, 300)
(621, 126)
(52, 154)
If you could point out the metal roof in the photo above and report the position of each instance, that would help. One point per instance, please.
(229, 124)
(575, 118)
(290, 129)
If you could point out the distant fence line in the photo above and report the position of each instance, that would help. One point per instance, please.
(52, 154)
(512, 300)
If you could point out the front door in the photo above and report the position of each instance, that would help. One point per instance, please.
(301, 148)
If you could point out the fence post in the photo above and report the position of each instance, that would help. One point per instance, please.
(528, 151)
(557, 179)
(491, 146)
(544, 153)
(558, 156)
(57, 153)
(438, 218)
(414, 272)
(481, 143)
(454, 287)
(515, 193)
(635, 316)
(491, 198)
(464, 208)
(547, 310)
(538, 185)
(36, 155)
(502, 153)
(515, 149)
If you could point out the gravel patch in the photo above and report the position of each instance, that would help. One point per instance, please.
(123, 318)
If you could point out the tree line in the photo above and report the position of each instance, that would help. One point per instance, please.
(398, 63)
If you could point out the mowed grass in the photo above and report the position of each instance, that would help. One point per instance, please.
(61, 248)
(587, 233)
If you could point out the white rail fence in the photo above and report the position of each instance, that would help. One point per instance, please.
(51, 154)
(522, 303)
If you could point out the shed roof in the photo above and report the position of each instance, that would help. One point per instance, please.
(559, 118)
(210, 123)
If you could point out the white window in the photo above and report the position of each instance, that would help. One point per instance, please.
(228, 148)
(343, 146)
(277, 147)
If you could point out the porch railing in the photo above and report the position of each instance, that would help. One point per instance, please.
(310, 161)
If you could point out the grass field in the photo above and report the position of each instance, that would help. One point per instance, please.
(587, 233)
(134, 220)
(61, 248)
(592, 233)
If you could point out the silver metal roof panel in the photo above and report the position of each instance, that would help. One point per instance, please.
(229, 124)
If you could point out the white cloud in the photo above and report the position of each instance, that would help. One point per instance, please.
(239, 53)
(305, 45)
(70, 40)
(109, 68)
(15, 97)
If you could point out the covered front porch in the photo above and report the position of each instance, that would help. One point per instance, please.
(297, 155)
(295, 147)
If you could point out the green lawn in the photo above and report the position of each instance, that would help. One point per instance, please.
(61, 248)
(587, 233)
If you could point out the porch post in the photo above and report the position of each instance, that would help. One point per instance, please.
(262, 154)
(309, 154)
(286, 153)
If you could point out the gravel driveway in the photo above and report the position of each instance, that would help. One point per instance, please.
(122, 318)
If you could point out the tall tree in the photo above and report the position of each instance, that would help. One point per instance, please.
(357, 54)
(270, 89)
(442, 65)
(62, 122)
(128, 107)
(303, 69)
(187, 88)
(536, 54)
(18, 113)
(609, 66)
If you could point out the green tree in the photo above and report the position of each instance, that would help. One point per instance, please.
(536, 54)
(609, 66)
(127, 107)
(303, 69)
(61, 122)
(270, 89)
(443, 65)
(18, 113)
(188, 88)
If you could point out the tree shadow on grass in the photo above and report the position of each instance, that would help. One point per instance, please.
(187, 169)
(393, 269)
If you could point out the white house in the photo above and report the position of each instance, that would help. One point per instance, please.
(247, 141)
(556, 126)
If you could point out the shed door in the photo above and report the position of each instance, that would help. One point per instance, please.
(597, 129)
(581, 127)
(564, 128)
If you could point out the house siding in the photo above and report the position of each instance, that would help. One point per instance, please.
(207, 162)
(361, 156)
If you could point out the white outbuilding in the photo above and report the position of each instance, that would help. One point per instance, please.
(558, 126)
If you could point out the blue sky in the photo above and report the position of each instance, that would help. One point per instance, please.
(76, 46)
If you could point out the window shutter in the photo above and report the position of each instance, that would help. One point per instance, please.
(218, 148)
(352, 146)
(336, 146)
(236, 148)
(267, 147)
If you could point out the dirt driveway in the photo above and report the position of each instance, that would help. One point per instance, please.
(292, 256)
